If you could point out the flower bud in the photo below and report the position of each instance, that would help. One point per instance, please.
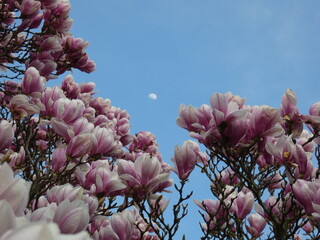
(32, 82)
(257, 224)
(185, 158)
(59, 158)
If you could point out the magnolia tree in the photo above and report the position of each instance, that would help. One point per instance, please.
(70, 169)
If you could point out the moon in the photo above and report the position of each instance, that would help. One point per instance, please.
(153, 96)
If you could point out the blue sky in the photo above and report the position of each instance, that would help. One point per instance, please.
(184, 51)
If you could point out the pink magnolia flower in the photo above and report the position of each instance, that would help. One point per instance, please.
(102, 106)
(143, 142)
(58, 194)
(68, 131)
(22, 106)
(97, 225)
(70, 87)
(187, 117)
(305, 169)
(72, 217)
(92, 203)
(143, 176)
(75, 53)
(120, 227)
(121, 124)
(90, 114)
(16, 158)
(61, 128)
(263, 122)
(49, 97)
(31, 21)
(59, 158)
(81, 125)
(101, 180)
(104, 139)
(229, 116)
(68, 110)
(243, 204)
(51, 43)
(29, 7)
(122, 224)
(307, 194)
(43, 62)
(58, 16)
(87, 87)
(81, 144)
(45, 214)
(6, 135)
(14, 190)
(315, 110)
(283, 150)
(32, 82)
(186, 157)
(290, 113)
(227, 107)
(257, 224)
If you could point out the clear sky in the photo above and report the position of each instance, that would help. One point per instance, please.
(184, 51)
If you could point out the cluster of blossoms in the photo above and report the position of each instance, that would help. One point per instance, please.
(79, 160)
(262, 158)
(36, 34)
(70, 169)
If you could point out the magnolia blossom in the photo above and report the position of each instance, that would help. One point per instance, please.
(243, 204)
(68, 110)
(32, 82)
(144, 175)
(49, 97)
(229, 116)
(186, 157)
(72, 217)
(59, 158)
(120, 227)
(58, 194)
(263, 122)
(104, 141)
(21, 105)
(101, 179)
(290, 113)
(307, 194)
(257, 224)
